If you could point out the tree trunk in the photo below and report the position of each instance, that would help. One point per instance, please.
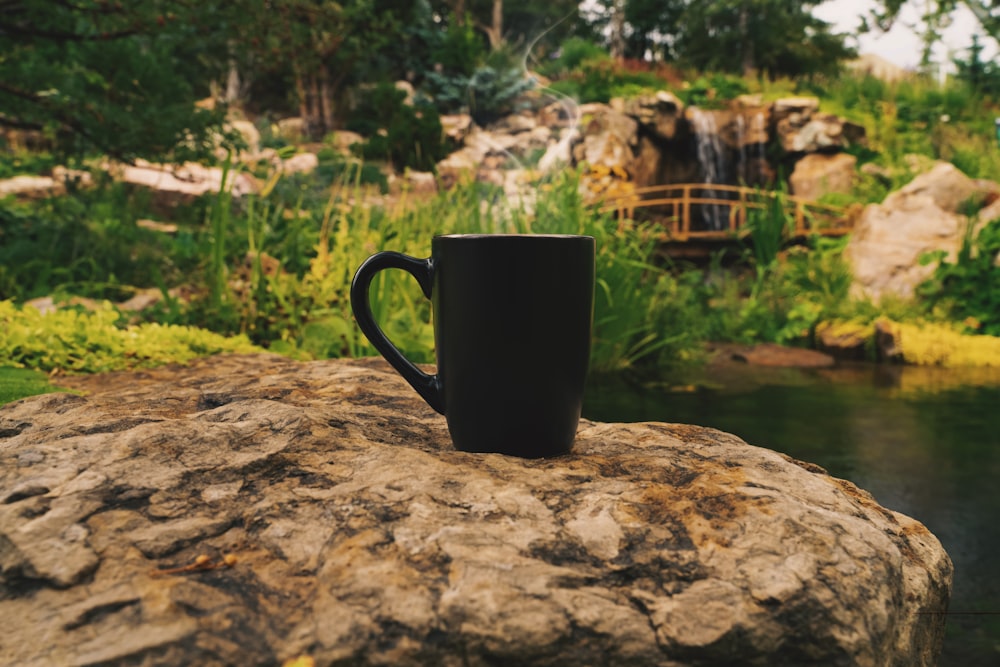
(617, 37)
(326, 98)
(233, 84)
(746, 41)
(494, 31)
(315, 119)
(303, 97)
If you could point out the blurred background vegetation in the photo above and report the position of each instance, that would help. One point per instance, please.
(128, 79)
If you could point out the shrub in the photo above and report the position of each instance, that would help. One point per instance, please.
(407, 135)
(88, 342)
(968, 289)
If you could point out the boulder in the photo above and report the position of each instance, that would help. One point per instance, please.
(800, 128)
(177, 183)
(817, 174)
(608, 140)
(28, 186)
(780, 356)
(292, 129)
(248, 131)
(922, 217)
(659, 113)
(343, 140)
(844, 339)
(300, 163)
(38, 187)
(254, 510)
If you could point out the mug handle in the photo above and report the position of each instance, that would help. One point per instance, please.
(428, 386)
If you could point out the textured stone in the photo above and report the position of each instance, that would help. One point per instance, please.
(924, 216)
(769, 354)
(248, 510)
(818, 174)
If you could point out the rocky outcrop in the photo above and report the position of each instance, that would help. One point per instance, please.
(250, 510)
(801, 128)
(35, 187)
(818, 174)
(931, 213)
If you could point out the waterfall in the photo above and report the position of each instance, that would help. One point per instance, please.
(743, 162)
(758, 129)
(712, 159)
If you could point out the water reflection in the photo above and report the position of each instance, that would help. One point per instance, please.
(923, 441)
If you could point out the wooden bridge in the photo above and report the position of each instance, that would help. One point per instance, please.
(672, 206)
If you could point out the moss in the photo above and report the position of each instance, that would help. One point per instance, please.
(931, 344)
(89, 342)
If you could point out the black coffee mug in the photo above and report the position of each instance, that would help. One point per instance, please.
(512, 318)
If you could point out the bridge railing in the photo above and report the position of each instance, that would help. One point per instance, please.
(678, 200)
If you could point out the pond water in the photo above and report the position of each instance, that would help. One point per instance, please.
(923, 441)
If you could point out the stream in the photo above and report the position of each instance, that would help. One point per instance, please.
(923, 441)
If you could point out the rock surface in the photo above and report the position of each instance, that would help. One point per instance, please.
(248, 510)
(818, 174)
(928, 214)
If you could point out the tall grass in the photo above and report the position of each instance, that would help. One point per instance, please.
(302, 307)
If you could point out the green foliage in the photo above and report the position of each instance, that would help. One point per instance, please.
(89, 342)
(407, 135)
(572, 54)
(598, 79)
(712, 91)
(16, 163)
(968, 289)
(17, 383)
(117, 77)
(487, 94)
(49, 245)
(460, 51)
(772, 36)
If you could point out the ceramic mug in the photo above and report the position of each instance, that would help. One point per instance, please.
(512, 318)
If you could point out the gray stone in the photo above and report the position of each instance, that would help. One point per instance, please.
(252, 509)
(817, 174)
(924, 216)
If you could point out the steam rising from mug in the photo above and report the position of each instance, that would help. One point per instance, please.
(512, 321)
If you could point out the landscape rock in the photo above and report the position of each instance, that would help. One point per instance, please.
(292, 129)
(800, 128)
(608, 139)
(658, 113)
(179, 183)
(27, 186)
(844, 340)
(252, 509)
(770, 354)
(34, 187)
(922, 217)
(343, 140)
(817, 174)
(300, 163)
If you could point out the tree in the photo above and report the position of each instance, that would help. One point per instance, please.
(324, 47)
(936, 15)
(651, 27)
(519, 22)
(743, 36)
(120, 77)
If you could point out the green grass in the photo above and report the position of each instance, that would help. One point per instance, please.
(18, 383)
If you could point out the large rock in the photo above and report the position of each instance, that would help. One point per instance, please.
(248, 510)
(817, 174)
(184, 182)
(800, 128)
(926, 215)
(659, 113)
(608, 139)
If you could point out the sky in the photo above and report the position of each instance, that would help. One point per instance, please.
(902, 45)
